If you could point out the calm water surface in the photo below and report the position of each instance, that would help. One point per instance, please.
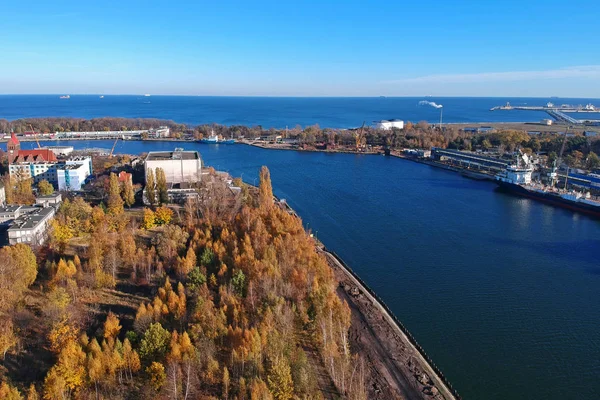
(502, 292)
(279, 112)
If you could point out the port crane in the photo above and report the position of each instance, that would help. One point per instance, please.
(554, 174)
(359, 137)
(113, 148)
(35, 136)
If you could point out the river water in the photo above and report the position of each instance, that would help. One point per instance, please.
(502, 292)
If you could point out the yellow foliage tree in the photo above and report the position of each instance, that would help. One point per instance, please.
(112, 327)
(156, 371)
(149, 221)
(280, 380)
(163, 215)
(8, 392)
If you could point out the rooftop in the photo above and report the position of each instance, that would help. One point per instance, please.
(49, 196)
(172, 155)
(32, 219)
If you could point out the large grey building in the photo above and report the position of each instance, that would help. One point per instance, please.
(25, 224)
(180, 166)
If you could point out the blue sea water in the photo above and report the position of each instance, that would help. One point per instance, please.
(502, 292)
(278, 112)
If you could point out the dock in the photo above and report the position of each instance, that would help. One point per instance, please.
(556, 112)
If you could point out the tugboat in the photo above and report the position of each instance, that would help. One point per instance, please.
(517, 179)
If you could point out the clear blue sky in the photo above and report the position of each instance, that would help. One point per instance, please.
(304, 48)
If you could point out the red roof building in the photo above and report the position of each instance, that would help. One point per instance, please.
(38, 155)
(124, 177)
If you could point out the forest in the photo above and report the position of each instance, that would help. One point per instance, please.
(224, 298)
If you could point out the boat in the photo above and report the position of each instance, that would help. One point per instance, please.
(146, 95)
(516, 179)
(212, 139)
(101, 97)
(589, 107)
(65, 97)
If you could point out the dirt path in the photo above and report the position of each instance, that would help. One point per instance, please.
(324, 382)
(395, 368)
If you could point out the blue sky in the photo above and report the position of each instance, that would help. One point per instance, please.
(302, 48)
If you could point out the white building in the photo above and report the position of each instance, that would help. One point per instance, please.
(386, 125)
(71, 176)
(160, 132)
(53, 199)
(2, 196)
(37, 170)
(180, 166)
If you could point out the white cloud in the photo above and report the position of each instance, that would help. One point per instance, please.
(588, 71)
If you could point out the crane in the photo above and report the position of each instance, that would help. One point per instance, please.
(113, 148)
(558, 161)
(35, 136)
(359, 137)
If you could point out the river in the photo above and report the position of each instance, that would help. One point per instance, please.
(502, 292)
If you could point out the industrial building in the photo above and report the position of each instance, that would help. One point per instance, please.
(60, 151)
(180, 166)
(468, 159)
(386, 125)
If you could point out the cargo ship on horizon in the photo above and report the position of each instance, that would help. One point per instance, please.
(517, 179)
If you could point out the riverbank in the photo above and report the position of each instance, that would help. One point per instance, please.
(396, 366)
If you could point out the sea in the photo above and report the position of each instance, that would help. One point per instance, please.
(502, 292)
(281, 112)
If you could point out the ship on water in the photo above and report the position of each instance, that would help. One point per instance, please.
(215, 139)
(516, 178)
(65, 97)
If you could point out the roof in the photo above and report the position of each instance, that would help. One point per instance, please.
(124, 176)
(49, 196)
(172, 155)
(30, 221)
(35, 155)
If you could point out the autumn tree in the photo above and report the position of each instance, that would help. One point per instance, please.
(128, 193)
(112, 327)
(45, 188)
(115, 202)
(18, 270)
(161, 186)
(265, 190)
(280, 380)
(150, 187)
(163, 215)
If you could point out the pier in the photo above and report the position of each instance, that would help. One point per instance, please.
(556, 112)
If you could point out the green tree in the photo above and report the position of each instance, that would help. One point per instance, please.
(128, 193)
(150, 187)
(45, 188)
(155, 343)
(161, 186)
(239, 282)
(115, 202)
(592, 161)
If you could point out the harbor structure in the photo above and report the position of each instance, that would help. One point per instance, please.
(388, 124)
(180, 166)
